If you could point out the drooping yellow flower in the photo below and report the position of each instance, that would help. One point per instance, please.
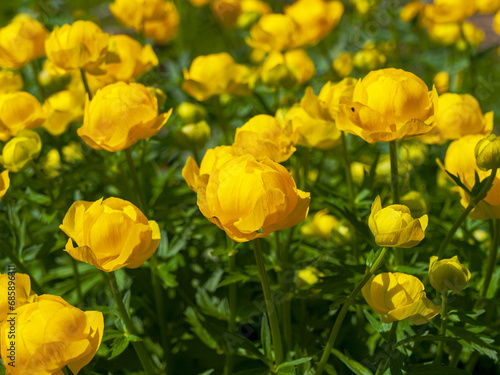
(119, 115)
(21, 150)
(10, 81)
(61, 109)
(274, 32)
(21, 41)
(487, 152)
(446, 11)
(320, 226)
(18, 110)
(393, 226)
(110, 234)
(387, 105)
(397, 296)
(287, 69)
(442, 82)
(266, 136)
(17, 286)
(81, 45)
(4, 183)
(458, 115)
(448, 274)
(315, 19)
(51, 334)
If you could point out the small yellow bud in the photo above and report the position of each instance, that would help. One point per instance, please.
(442, 82)
(321, 225)
(191, 113)
(448, 274)
(487, 153)
(194, 136)
(20, 150)
(308, 276)
(51, 164)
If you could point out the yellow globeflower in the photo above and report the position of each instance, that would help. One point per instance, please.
(442, 82)
(308, 276)
(18, 110)
(21, 41)
(458, 115)
(343, 64)
(72, 153)
(369, 58)
(487, 152)
(135, 13)
(17, 286)
(448, 274)
(21, 150)
(51, 164)
(274, 32)
(321, 225)
(445, 34)
(393, 226)
(387, 105)
(194, 136)
(81, 45)
(487, 6)
(4, 184)
(411, 10)
(397, 296)
(163, 30)
(110, 234)
(191, 112)
(226, 11)
(119, 115)
(265, 136)
(446, 11)
(10, 81)
(51, 334)
(315, 19)
(287, 69)
(61, 109)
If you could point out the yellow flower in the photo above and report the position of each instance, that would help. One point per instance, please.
(369, 58)
(72, 153)
(265, 136)
(119, 115)
(215, 74)
(445, 11)
(448, 274)
(51, 334)
(321, 225)
(51, 164)
(308, 276)
(194, 136)
(387, 105)
(18, 110)
(10, 81)
(393, 226)
(4, 183)
(397, 296)
(343, 64)
(21, 41)
(250, 198)
(496, 22)
(61, 109)
(487, 6)
(444, 34)
(226, 11)
(487, 152)
(287, 69)
(411, 10)
(21, 150)
(274, 32)
(315, 19)
(163, 30)
(81, 45)
(315, 119)
(16, 289)
(110, 234)
(191, 112)
(472, 35)
(442, 82)
(460, 160)
(458, 115)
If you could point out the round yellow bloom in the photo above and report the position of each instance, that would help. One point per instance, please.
(110, 234)
(445, 11)
(51, 164)
(226, 11)
(369, 58)
(265, 136)
(393, 225)
(487, 152)
(487, 6)
(442, 82)
(388, 104)
(315, 19)
(448, 274)
(496, 22)
(51, 334)
(411, 10)
(397, 296)
(119, 115)
(274, 32)
(21, 41)
(17, 283)
(18, 110)
(460, 160)
(472, 35)
(445, 34)
(320, 226)
(163, 30)
(194, 136)
(343, 64)
(191, 112)
(458, 115)
(4, 184)
(287, 69)
(215, 74)
(61, 109)
(81, 45)
(10, 81)
(308, 276)
(20, 150)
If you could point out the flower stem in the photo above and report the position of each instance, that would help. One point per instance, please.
(340, 318)
(232, 303)
(492, 257)
(66, 371)
(393, 154)
(135, 180)
(85, 83)
(39, 86)
(129, 325)
(271, 308)
(444, 322)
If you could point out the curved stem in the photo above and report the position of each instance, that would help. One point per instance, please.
(340, 318)
(271, 308)
(444, 322)
(85, 83)
(492, 257)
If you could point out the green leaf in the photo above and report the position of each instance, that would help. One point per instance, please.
(208, 372)
(464, 318)
(119, 345)
(265, 337)
(433, 338)
(289, 366)
(379, 326)
(476, 342)
(353, 365)
(111, 334)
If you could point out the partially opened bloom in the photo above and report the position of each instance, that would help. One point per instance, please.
(17, 286)
(110, 234)
(119, 115)
(4, 183)
(387, 105)
(61, 109)
(19, 110)
(448, 274)
(397, 296)
(81, 45)
(393, 225)
(51, 334)
(21, 41)
(274, 32)
(411, 10)
(287, 69)
(487, 153)
(21, 150)
(164, 29)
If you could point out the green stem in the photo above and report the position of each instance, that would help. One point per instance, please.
(39, 86)
(135, 180)
(232, 303)
(305, 168)
(85, 83)
(139, 346)
(492, 257)
(261, 100)
(78, 284)
(340, 318)
(444, 322)
(472, 203)
(271, 308)
(286, 306)
(393, 153)
(66, 371)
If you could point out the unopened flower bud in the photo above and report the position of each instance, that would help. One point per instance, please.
(448, 274)
(191, 113)
(487, 153)
(194, 136)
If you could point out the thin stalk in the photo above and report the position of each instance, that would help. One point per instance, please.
(135, 180)
(78, 284)
(305, 168)
(492, 257)
(286, 312)
(393, 153)
(271, 310)
(66, 371)
(139, 346)
(232, 303)
(85, 83)
(261, 100)
(472, 203)
(340, 318)
(444, 323)
(39, 86)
